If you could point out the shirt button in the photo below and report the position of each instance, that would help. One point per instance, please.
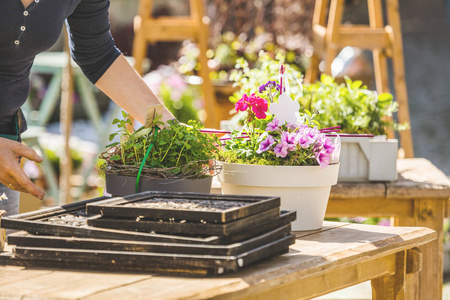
(17, 42)
(22, 28)
(25, 13)
(37, 1)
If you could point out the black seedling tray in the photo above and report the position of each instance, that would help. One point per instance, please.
(186, 207)
(187, 227)
(38, 223)
(23, 239)
(51, 222)
(146, 261)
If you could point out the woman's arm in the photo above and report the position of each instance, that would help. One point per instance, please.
(125, 87)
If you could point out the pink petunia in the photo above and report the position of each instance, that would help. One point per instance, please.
(288, 140)
(274, 125)
(323, 158)
(280, 150)
(328, 145)
(266, 144)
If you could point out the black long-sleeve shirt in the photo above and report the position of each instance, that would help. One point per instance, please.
(26, 32)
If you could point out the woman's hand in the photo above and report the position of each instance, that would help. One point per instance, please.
(11, 175)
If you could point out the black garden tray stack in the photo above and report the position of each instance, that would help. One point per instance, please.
(159, 232)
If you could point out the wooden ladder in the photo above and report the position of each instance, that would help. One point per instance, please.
(384, 41)
(150, 30)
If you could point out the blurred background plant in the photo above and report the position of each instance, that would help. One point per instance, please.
(350, 105)
(182, 99)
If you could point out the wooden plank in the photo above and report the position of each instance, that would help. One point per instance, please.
(333, 30)
(358, 190)
(393, 286)
(11, 274)
(431, 214)
(354, 207)
(395, 32)
(361, 36)
(418, 178)
(322, 283)
(66, 285)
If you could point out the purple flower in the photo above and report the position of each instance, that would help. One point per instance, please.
(280, 150)
(274, 125)
(303, 139)
(266, 144)
(288, 140)
(323, 158)
(328, 145)
(269, 85)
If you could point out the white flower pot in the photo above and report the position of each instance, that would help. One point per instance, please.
(368, 159)
(302, 188)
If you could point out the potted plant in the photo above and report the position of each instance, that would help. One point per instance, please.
(359, 112)
(279, 151)
(176, 158)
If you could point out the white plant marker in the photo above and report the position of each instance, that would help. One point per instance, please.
(286, 110)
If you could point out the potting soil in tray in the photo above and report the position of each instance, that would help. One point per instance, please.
(186, 206)
(62, 237)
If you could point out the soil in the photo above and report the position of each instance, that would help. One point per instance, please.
(188, 204)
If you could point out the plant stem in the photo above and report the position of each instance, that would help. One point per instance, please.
(168, 148)
(179, 155)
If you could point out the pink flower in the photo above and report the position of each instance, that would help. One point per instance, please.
(242, 104)
(273, 126)
(280, 150)
(266, 144)
(303, 139)
(288, 140)
(259, 106)
(328, 145)
(323, 158)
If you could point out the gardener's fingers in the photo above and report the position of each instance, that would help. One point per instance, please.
(25, 183)
(12, 184)
(10, 170)
(22, 150)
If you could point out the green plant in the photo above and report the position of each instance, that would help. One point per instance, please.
(230, 48)
(351, 106)
(54, 159)
(175, 151)
(250, 79)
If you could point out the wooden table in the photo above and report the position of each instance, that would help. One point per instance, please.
(322, 261)
(420, 197)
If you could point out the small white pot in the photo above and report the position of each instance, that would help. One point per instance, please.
(302, 188)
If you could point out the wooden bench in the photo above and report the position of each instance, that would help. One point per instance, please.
(419, 197)
(337, 256)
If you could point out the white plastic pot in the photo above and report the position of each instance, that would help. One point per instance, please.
(304, 189)
(368, 159)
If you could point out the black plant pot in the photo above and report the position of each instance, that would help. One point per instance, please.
(117, 185)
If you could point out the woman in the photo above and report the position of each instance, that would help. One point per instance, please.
(28, 27)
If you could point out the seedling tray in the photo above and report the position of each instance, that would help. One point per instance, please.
(23, 239)
(146, 261)
(187, 227)
(186, 207)
(38, 223)
(71, 220)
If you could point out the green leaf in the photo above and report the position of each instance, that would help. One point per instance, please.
(115, 157)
